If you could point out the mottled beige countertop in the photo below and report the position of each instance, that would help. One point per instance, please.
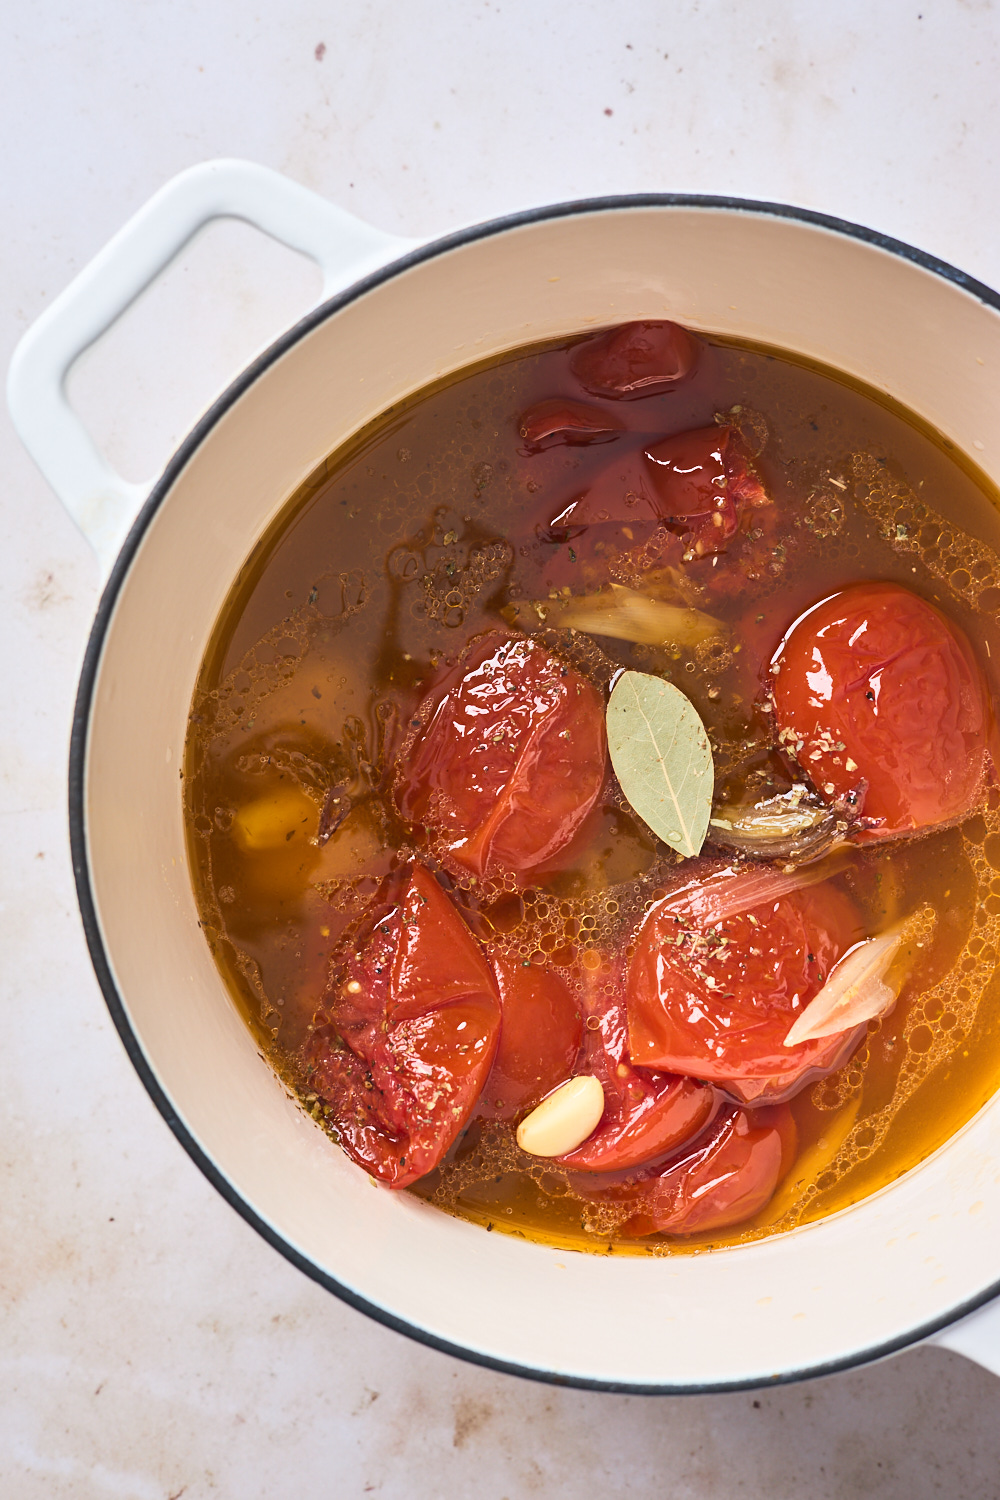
(152, 1346)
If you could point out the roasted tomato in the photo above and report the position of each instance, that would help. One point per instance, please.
(715, 998)
(511, 760)
(562, 423)
(724, 1178)
(539, 1038)
(619, 495)
(646, 1114)
(882, 702)
(405, 1036)
(635, 359)
(698, 483)
(704, 474)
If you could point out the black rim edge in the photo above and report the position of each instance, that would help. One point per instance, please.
(78, 764)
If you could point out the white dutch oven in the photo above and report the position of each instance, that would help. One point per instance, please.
(897, 1268)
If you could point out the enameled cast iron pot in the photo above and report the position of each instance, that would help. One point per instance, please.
(897, 1268)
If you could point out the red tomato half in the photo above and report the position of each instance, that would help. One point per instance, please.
(698, 473)
(558, 422)
(619, 494)
(726, 1176)
(405, 1039)
(511, 761)
(539, 1038)
(697, 482)
(881, 701)
(635, 359)
(646, 1114)
(716, 1000)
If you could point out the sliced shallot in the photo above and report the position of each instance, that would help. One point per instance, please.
(791, 825)
(856, 990)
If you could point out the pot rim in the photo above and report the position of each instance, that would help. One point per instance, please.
(81, 725)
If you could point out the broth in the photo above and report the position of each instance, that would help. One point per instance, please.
(421, 535)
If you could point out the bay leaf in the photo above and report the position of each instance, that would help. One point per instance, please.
(662, 758)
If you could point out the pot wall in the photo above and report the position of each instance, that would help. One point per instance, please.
(866, 1280)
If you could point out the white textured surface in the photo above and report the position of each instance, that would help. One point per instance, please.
(152, 1346)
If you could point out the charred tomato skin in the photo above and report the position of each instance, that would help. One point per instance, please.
(881, 700)
(510, 762)
(716, 1000)
(405, 1037)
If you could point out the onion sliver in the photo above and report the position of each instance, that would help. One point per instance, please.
(731, 890)
(619, 612)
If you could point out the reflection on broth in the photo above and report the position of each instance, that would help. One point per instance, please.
(534, 527)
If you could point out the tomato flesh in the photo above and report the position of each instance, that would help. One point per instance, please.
(726, 1177)
(715, 1000)
(511, 761)
(539, 1038)
(700, 472)
(883, 704)
(635, 359)
(563, 423)
(646, 1114)
(404, 1040)
(696, 482)
(620, 494)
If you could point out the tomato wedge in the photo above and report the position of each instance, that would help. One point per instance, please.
(882, 702)
(405, 1037)
(646, 1114)
(705, 473)
(511, 760)
(715, 999)
(620, 494)
(539, 1037)
(724, 1178)
(696, 482)
(635, 359)
(563, 423)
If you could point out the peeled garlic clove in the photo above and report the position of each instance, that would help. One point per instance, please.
(564, 1119)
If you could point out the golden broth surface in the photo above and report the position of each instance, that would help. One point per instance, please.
(409, 542)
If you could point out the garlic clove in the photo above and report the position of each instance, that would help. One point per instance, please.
(564, 1119)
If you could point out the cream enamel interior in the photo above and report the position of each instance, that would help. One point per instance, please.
(853, 1283)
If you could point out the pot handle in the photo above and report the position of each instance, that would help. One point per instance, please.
(100, 501)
